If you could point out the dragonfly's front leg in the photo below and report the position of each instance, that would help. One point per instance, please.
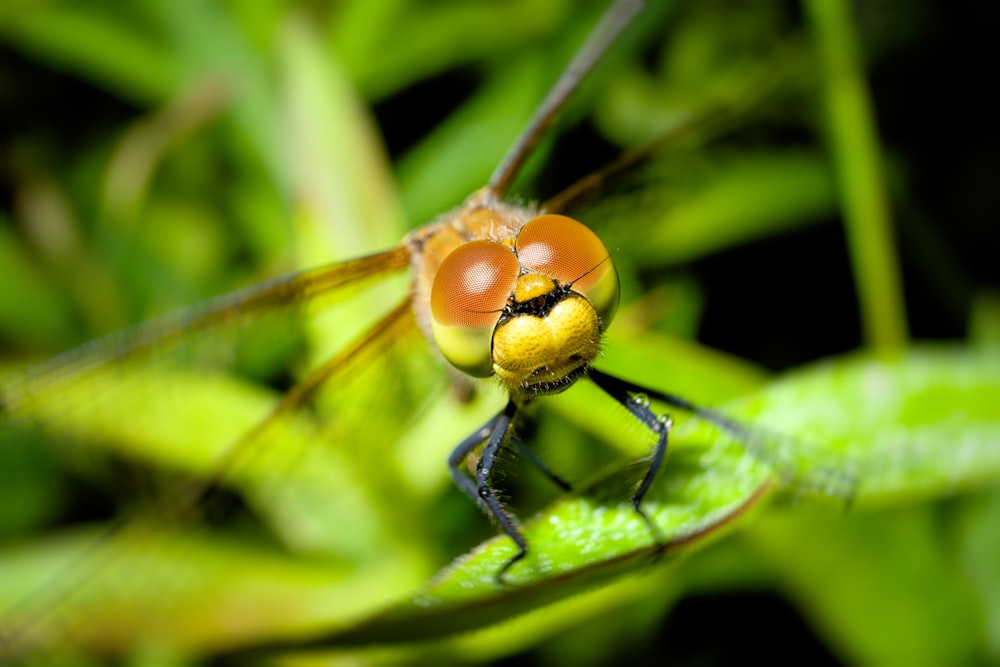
(494, 432)
(635, 399)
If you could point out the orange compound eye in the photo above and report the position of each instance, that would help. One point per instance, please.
(571, 253)
(470, 290)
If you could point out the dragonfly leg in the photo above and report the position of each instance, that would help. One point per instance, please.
(494, 432)
(530, 454)
(834, 483)
(634, 399)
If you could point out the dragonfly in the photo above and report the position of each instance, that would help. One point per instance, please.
(518, 293)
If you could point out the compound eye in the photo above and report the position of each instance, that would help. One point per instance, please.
(470, 290)
(569, 252)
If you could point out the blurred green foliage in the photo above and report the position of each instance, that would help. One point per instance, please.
(158, 153)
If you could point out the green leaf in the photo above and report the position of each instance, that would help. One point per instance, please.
(889, 425)
(892, 425)
(920, 425)
(588, 539)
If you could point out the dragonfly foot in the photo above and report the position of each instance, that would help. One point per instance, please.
(501, 581)
(659, 545)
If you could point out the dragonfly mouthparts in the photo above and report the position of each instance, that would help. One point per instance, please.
(545, 380)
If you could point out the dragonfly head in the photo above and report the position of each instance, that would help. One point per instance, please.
(532, 311)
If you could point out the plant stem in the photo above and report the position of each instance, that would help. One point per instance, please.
(853, 139)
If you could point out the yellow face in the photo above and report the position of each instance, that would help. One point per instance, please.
(531, 311)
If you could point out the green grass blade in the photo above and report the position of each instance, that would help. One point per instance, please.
(854, 142)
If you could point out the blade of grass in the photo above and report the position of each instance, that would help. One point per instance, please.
(853, 138)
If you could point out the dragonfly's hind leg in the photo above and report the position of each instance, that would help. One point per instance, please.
(494, 432)
(530, 454)
(832, 482)
(634, 399)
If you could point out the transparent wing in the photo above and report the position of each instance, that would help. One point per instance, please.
(246, 463)
(31, 393)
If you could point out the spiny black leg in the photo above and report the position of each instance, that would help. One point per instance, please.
(533, 457)
(633, 398)
(734, 428)
(750, 439)
(459, 454)
(731, 426)
(526, 433)
(494, 432)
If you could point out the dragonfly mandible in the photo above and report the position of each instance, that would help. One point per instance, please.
(526, 285)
